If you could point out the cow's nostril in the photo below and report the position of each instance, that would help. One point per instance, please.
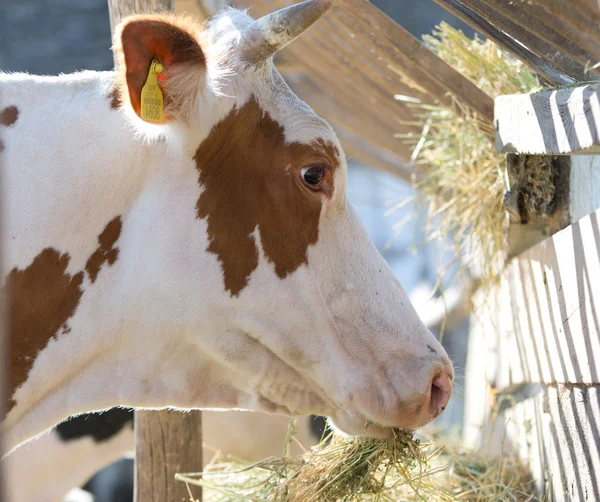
(441, 390)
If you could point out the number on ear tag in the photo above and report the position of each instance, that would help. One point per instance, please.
(152, 98)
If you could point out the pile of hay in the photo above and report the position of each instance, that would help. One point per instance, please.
(463, 180)
(359, 469)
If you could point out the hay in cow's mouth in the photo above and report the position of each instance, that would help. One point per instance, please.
(345, 468)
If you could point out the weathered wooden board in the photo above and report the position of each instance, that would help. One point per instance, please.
(480, 372)
(557, 435)
(584, 185)
(523, 22)
(550, 305)
(558, 39)
(547, 72)
(533, 370)
(549, 122)
(166, 442)
(416, 57)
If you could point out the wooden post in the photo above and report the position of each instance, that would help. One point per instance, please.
(166, 441)
(533, 370)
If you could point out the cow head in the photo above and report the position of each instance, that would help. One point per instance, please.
(296, 311)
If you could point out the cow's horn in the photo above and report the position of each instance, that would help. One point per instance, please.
(271, 33)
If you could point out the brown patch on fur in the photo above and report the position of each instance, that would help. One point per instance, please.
(1, 146)
(44, 296)
(106, 252)
(171, 41)
(115, 98)
(251, 178)
(9, 115)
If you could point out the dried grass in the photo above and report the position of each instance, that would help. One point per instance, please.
(359, 469)
(462, 182)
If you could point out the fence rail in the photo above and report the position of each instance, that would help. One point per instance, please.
(558, 39)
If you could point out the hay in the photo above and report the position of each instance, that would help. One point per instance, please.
(463, 180)
(485, 64)
(360, 469)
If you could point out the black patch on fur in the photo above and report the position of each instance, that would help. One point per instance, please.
(98, 426)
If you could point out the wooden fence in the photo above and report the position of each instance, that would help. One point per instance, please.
(533, 375)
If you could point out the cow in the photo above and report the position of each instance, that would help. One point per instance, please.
(69, 455)
(178, 236)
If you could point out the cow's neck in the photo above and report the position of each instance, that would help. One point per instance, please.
(81, 154)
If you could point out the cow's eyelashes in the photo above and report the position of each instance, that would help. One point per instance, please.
(313, 174)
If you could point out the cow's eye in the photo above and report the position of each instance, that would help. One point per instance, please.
(313, 175)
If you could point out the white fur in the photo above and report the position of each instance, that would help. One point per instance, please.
(157, 328)
(44, 470)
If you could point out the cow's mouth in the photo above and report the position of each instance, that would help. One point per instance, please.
(356, 424)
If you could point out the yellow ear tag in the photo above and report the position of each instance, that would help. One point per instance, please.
(152, 98)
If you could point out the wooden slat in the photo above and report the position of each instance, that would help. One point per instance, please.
(549, 310)
(556, 434)
(357, 107)
(501, 30)
(415, 77)
(584, 186)
(349, 91)
(550, 122)
(592, 7)
(366, 71)
(166, 442)
(367, 61)
(359, 86)
(583, 14)
(556, 33)
(576, 25)
(552, 37)
(533, 372)
(436, 70)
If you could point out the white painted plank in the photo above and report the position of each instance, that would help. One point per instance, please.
(563, 121)
(556, 434)
(480, 370)
(584, 185)
(549, 310)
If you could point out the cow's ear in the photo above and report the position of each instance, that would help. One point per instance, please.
(179, 71)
